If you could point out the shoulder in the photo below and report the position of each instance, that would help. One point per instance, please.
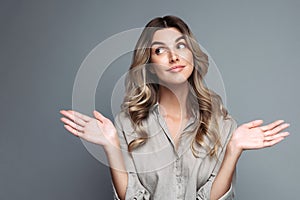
(229, 122)
(227, 125)
(122, 121)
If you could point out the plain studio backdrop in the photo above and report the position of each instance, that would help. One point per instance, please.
(255, 45)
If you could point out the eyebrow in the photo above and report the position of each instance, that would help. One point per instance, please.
(161, 43)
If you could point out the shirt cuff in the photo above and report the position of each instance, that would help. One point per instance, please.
(115, 192)
(229, 195)
(134, 189)
(204, 193)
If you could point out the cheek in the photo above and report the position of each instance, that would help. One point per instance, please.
(187, 56)
(159, 59)
(190, 58)
(156, 67)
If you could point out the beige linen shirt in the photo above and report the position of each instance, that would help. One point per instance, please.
(157, 170)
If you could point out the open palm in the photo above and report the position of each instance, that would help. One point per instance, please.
(98, 130)
(254, 136)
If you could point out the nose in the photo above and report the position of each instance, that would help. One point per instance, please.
(173, 56)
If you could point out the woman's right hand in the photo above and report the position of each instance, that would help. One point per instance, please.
(98, 130)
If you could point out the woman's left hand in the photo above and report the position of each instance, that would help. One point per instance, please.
(254, 136)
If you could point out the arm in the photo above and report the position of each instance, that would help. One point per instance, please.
(135, 189)
(247, 136)
(117, 169)
(102, 132)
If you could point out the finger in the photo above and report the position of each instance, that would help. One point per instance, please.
(273, 142)
(80, 115)
(276, 129)
(99, 116)
(254, 123)
(73, 131)
(75, 116)
(279, 135)
(271, 125)
(72, 124)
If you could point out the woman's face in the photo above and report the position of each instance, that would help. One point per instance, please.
(171, 56)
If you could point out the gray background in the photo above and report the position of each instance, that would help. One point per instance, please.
(254, 43)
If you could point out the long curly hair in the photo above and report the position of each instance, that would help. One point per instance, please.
(142, 88)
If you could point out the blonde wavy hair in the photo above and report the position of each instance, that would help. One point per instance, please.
(142, 89)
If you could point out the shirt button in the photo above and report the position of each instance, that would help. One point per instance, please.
(179, 186)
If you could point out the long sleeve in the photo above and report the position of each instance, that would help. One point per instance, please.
(135, 190)
(203, 193)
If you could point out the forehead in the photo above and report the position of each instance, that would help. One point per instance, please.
(166, 35)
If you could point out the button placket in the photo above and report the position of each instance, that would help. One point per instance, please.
(178, 174)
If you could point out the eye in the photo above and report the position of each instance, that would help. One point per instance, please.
(181, 45)
(159, 50)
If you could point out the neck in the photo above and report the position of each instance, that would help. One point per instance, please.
(173, 99)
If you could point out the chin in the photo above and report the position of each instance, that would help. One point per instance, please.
(176, 82)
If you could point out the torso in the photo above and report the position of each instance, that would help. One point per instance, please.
(164, 172)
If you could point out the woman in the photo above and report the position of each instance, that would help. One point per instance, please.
(173, 138)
